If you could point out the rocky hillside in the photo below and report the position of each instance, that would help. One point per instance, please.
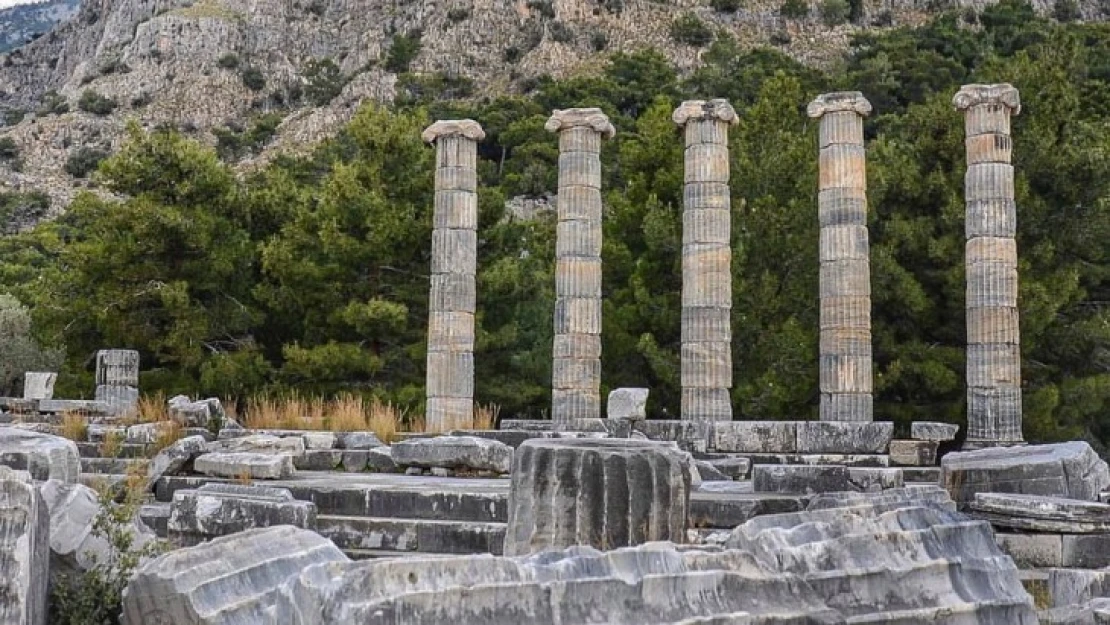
(281, 74)
(26, 22)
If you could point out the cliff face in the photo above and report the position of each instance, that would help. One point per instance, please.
(201, 65)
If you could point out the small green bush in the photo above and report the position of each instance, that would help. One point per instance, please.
(544, 7)
(84, 160)
(834, 12)
(1066, 11)
(690, 30)
(512, 54)
(725, 6)
(13, 116)
(561, 32)
(92, 102)
(325, 81)
(142, 100)
(229, 61)
(458, 14)
(403, 51)
(253, 78)
(599, 41)
(794, 9)
(8, 149)
(53, 104)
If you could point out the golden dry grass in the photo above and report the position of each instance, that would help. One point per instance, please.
(75, 426)
(346, 413)
(244, 477)
(485, 416)
(168, 433)
(112, 445)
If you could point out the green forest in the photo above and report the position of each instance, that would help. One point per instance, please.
(312, 273)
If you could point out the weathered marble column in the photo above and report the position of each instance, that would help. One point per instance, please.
(117, 379)
(706, 261)
(845, 278)
(450, 382)
(576, 372)
(993, 345)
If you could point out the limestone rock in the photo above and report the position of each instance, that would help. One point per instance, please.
(381, 460)
(146, 433)
(735, 467)
(119, 400)
(1042, 514)
(359, 440)
(196, 413)
(260, 444)
(24, 552)
(221, 509)
(231, 579)
(710, 473)
(319, 460)
(607, 493)
(354, 460)
(452, 452)
(627, 403)
(73, 510)
(874, 479)
(319, 440)
(1071, 470)
(913, 453)
(774, 437)
(844, 437)
(44, 456)
(797, 478)
(39, 384)
(933, 431)
(932, 496)
(175, 458)
(253, 465)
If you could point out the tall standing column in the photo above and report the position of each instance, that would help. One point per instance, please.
(706, 261)
(993, 343)
(845, 278)
(450, 383)
(576, 372)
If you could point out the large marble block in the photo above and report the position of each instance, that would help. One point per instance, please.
(844, 437)
(221, 509)
(799, 478)
(454, 452)
(250, 465)
(772, 437)
(24, 551)
(1071, 470)
(44, 456)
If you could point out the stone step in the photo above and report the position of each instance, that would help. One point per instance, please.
(423, 535)
(113, 466)
(126, 450)
(921, 475)
(156, 516)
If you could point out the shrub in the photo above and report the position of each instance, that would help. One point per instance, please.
(599, 41)
(21, 351)
(544, 7)
(92, 102)
(1066, 10)
(229, 61)
(780, 38)
(429, 88)
(53, 104)
(458, 14)
(325, 81)
(403, 51)
(317, 8)
(253, 78)
(725, 6)
(96, 595)
(141, 100)
(84, 160)
(13, 116)
(561, 32)
(794, 9)
(834, 12)
(512, 54)
(8, 149)
(691, 31)
(75, 426)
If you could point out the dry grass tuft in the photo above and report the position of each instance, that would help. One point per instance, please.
(168, 434)
(384, 420)
(149, 409)
(75, 426)
(485, 416)
(112, 446)
(244, 477)
(347, 414)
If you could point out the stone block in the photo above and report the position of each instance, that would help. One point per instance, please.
(848, 460)
(710, 473)
(874, 479)
(221, 509)
(527, 425)
(84, 406)
(24, 551)
(690, 435)
(231, 579)
(319, 460)
(354, 460)
(606, 493)
(117, 367)
(1032, 551)
(261, 444)
(454, 452)
(44, 456)
(196, 413)
(119, 399)
(359, 440)
(1071, 470)
(734, 468)
(933, 431)
(1086, 551)
(175, 459)
(1042, 514)
(929, 475)
(844, 437)
(795, 478)
(628, 403)
(39, 384)
(913, 453)
(756, 436)
(73, 512)
(241, 464)
(147, 433)
(380, 460)
(320, 440)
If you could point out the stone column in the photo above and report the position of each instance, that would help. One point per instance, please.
(993, 345)
(845, 278)
(576, 371)
(706, 262)
(117, 379)
(450, 382)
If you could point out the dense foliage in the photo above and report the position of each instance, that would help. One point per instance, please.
(313, 273)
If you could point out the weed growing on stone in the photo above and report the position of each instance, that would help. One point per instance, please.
(75, 426)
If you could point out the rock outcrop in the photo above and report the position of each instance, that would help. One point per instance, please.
(44, 456)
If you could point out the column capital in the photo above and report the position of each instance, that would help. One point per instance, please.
(1001, 94)
(717, 109)
(451, 127)
(562, 119)
(838, 101)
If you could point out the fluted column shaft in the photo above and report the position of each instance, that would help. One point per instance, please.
(845, 273)
(450, 381)
(993, 338)
(576, 370)
(706, 261)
